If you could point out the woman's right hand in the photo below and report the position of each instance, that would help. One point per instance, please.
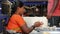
(37, 24)
(49, 16)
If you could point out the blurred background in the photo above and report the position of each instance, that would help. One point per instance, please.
(34, 9)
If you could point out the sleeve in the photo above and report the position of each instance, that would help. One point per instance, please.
(20, 21)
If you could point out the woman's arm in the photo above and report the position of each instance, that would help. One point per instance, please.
(54, 6)
(20, 21)
(27, 30)
(51, 8)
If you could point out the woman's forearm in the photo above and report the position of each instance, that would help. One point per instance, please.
(27, 30)
(54, 6)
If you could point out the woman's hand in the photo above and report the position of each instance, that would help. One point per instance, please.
(49, 16)
(37, 24)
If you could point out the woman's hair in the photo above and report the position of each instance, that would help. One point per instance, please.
(17, 4)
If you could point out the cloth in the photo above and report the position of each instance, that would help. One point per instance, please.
(15, 22)
(57, 10)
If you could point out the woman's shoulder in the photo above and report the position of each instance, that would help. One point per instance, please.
(14, 16)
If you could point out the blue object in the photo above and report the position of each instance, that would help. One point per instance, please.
(5, 17)
(36, 3)
(32, 2)
(0, 0)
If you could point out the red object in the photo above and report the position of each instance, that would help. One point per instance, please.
(57, 10)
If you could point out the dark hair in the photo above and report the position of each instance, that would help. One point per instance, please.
(21, 4)
(16, 4)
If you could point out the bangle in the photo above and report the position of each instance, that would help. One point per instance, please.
(33, 27)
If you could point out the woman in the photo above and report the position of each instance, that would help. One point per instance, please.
(17, 24)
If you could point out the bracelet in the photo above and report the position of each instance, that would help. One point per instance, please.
(33, 27)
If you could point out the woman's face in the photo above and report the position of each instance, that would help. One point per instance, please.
(21, 10)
